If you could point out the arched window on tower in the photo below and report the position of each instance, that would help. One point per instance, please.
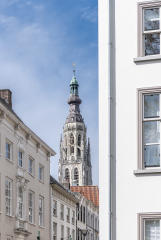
(76, 176)
(87, 178)
(67, 175)
(79, 140)
(71, 144)
(79, 145)
(71, 139)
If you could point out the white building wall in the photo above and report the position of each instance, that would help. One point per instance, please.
(134, 194)
(67, 203)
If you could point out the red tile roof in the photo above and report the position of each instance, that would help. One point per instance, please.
(89, 192)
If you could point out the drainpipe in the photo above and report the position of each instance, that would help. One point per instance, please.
(51, 212)
(110, 78)
(76, 218)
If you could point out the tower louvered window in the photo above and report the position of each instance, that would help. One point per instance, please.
(67, 175)
(76, 175)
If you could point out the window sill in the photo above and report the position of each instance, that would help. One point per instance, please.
(32, 175)
(32, 223)
(68, 221)
(149, 171)
(147, 58)
(41, 227)
(41, 181)
(9, 161)
(9, 216)
(62, 219)
(54, 215)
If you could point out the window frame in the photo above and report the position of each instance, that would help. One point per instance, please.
(21, 203)
(41, 212)
(41, 167)
(140, 137)
(68, 214)
(73, 234)
(10, 181)
(62, 212)
(33, 167)
(141, 217)
(10, 144)
(62, 232)
(68, 232)
(30, 192)
(19, 151)
(54, 232)
(55, 208)
(73, 217)
(140, 45)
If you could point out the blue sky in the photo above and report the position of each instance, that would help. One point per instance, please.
(39, 42)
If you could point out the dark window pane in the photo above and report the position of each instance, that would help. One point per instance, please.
(151, 106)
(151, 19)
(152, 44)
(152, 155)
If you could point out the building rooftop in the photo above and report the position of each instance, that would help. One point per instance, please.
(89, 192)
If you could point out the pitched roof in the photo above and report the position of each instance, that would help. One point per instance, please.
(89, 192)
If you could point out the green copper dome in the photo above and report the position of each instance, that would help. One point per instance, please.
(74, 85)
(74, 80)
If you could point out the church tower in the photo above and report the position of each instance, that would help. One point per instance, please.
(75, 159)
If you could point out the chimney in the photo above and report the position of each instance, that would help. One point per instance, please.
(7, 95)
(66, 184)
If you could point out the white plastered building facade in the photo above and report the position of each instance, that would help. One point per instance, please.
(24, 179)
(136, 166)
(63, 212)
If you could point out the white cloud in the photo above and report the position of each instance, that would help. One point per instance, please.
(90, 14)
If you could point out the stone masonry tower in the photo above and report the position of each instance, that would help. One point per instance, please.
(75, 159)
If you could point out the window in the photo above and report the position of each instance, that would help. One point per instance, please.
(8, 196)
(76, 175)
(71, 139)
(68, 233)
(68, 214)
(71, 144)
(149, 117)
(19, 158)
(40, 211)
(73, 235)
(54, 231)
(54, 208)
(73, 216)
(31, 207)
(20, 202)
(96, 223)
(149, 30)
(9, 151)
(67, 175)
(62, 211)
(31, 166)
(62, 232)
(149, 226)
(83, 208)
(41, 173)
(9, 238)
(91, 221)
(79, 145)
(87, 178)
